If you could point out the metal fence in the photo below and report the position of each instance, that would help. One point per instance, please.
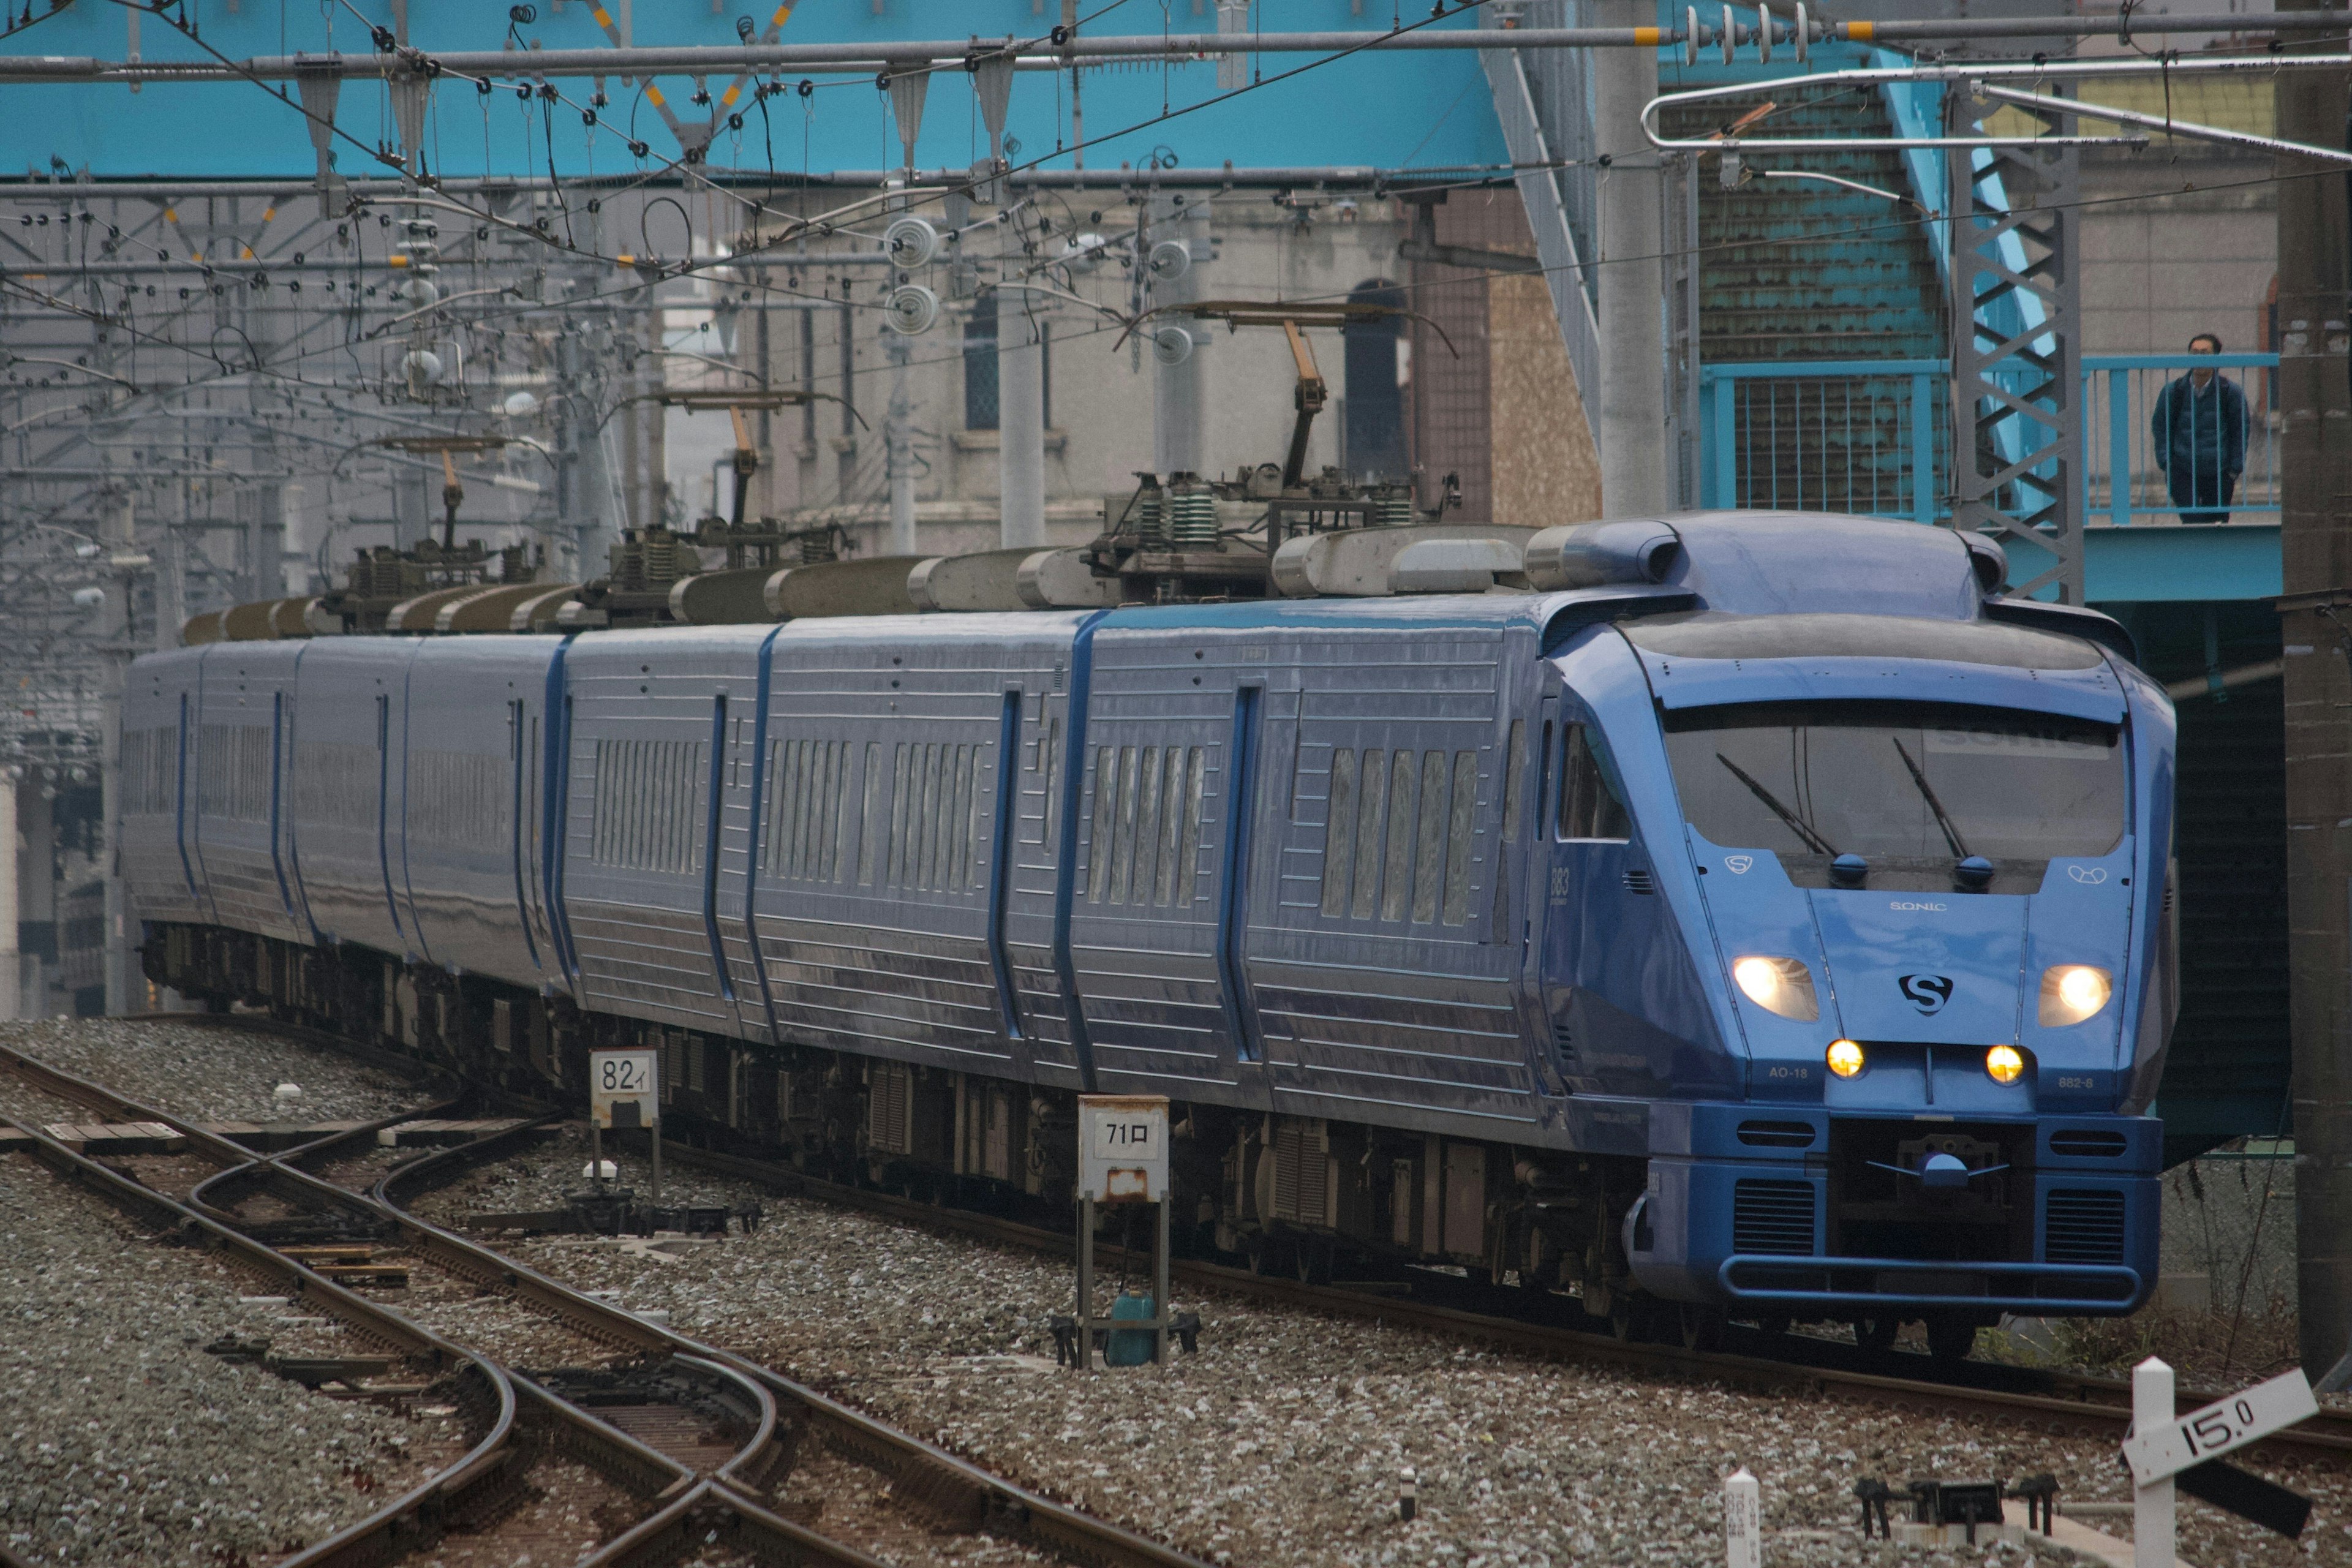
(1875, 436)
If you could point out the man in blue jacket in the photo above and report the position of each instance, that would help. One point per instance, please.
(2200, 429)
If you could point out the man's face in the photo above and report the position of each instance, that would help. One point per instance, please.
(2203, 346)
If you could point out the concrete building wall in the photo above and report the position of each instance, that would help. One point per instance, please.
(1513, 384)
(2160, 264)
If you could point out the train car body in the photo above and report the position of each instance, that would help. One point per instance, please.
(1775, 921)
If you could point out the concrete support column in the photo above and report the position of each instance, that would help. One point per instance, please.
(898, 448)
(116, 650)
(12, 995)
(1020, 421)
(265, 542)
(2315, 546)
(1179, 439)
(34, 930)
(1631, 396)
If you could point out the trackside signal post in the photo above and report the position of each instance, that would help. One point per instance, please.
(625, 1091)
(1122, 1159)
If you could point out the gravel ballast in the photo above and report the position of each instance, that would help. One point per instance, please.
(207, 1072)
(124, 1443)
(1282, 1442)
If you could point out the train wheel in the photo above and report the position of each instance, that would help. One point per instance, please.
(1311, 1260)
(1950, 1337)
(1623, 1322)
(1266, 1254)
(1875, 1333)
(1702, 1328)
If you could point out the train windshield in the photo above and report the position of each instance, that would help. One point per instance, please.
(1897, 782)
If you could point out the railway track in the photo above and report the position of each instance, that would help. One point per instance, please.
(712, 1431)
(2025, 1399)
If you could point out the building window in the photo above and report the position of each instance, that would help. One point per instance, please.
(980, 365)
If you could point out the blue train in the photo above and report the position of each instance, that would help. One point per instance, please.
(1774, 923)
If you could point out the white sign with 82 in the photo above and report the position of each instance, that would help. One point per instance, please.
(2244, 1418)
(624, 1089)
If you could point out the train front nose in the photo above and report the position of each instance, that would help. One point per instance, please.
(1953, 1146)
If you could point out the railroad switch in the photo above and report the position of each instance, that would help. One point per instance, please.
(1186, 1326)
(1939, 1506)
(2040, 1496)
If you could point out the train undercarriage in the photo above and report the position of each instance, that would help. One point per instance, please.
(1280, 1194)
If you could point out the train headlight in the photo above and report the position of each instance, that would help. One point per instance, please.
(2074, 991)
(1782, 986)
(2004, 1064)
(1845, 1058)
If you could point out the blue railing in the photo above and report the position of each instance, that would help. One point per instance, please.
(1875, 436)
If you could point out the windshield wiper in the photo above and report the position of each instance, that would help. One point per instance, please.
(1797, 824)
(1927, 792)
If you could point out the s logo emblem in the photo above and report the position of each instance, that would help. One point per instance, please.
(1929, 992)
(1738, 863)
(2092, 874)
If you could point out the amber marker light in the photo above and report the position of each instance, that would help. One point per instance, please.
(2004, 1064)
(1845, 1058)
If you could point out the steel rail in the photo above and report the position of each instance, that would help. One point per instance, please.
(958, 1493)
(2073, 1403)
(421, 1515)
(2070, 1402)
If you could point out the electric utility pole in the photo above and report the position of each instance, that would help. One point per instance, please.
(2315, 618)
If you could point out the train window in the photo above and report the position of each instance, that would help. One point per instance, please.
(1122, 863)
(334, 781)
(1397, 875)
(784, 831)
(955, 798)
(871, 828)
(1099, 848)
(1429, 865)
(1589, 802)
(233, 771)
(1147, 824)
(960, 862)
(1188, 848)
(1514, 777)
(808, 835)
(1172, 828)
(900, 770)
(646, 807)
(1053, 811)
(926, 821)
(1371, 822)
(979, 828)
(457, 798)
(813, 834)
(1457, 837)
(837, 859)
(147, 761)
(1339, 834)
(2012, 785)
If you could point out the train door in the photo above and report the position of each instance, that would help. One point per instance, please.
(523, 817)
(1535, 898)
(1244, 765)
